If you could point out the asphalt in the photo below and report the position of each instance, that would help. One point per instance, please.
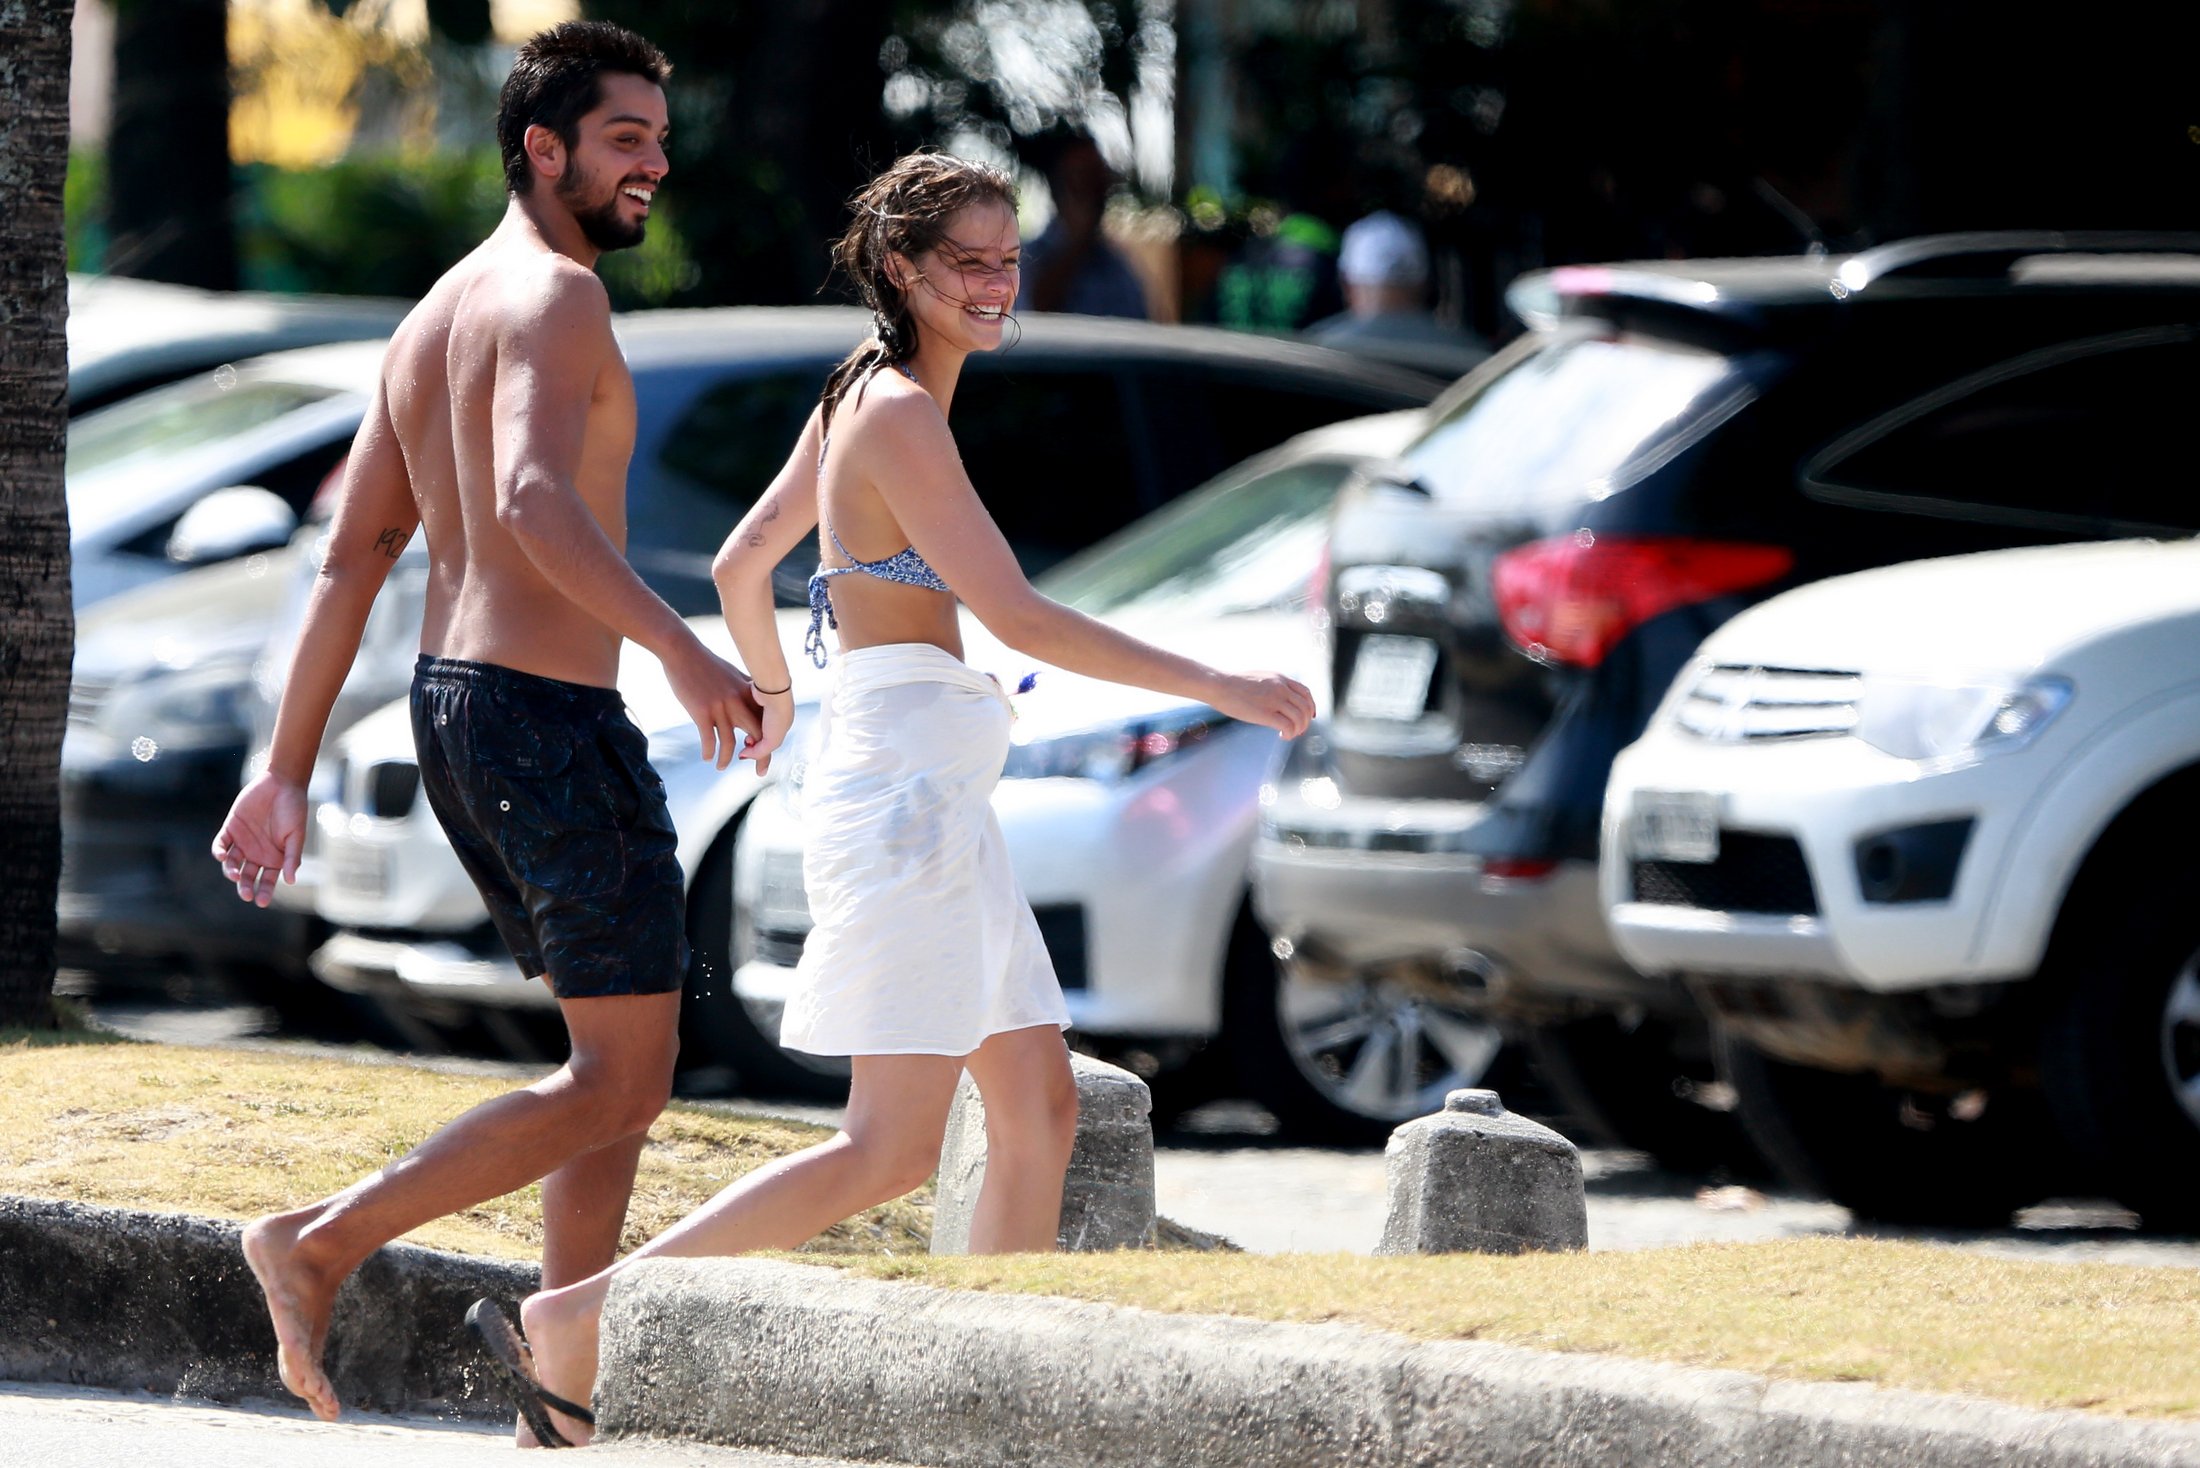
(85, 1427)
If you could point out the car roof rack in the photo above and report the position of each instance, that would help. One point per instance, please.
(1988, 254)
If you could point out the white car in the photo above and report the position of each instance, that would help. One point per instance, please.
(217, 466)
(1921, 840)
(1128, 815)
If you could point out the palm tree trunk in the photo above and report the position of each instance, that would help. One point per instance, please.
(37, 628)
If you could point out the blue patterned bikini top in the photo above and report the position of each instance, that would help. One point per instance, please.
(905, 567)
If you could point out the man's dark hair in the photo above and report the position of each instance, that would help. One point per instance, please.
(556, 81)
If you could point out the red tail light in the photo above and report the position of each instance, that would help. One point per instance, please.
(1570, 600)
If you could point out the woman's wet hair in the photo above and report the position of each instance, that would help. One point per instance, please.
(905, 211)
(557, 79)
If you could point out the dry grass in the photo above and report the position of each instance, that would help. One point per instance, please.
(2114, 1338)
(234, 1134)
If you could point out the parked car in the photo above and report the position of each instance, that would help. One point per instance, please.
(1916, 839)
(1672, 442)
(1128, 815)
(129, 335)
(1073, 433)
(155, 737)
(206, 470)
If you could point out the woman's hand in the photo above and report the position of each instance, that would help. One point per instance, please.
(778, 711)
(1283, 704)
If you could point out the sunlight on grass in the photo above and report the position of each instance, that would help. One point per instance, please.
(235, 1134)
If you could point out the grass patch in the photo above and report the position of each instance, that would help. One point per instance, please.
(233, 1134)
(2113, 1338)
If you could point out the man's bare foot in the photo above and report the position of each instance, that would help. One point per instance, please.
(299, 1302)
(561, 1332)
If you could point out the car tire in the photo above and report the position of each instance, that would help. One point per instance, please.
(1890, 1154)
(716, 1028)
(2121, 1043)
(1271, 1035)
(1635, 1086)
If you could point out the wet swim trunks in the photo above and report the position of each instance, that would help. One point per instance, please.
(545, 790)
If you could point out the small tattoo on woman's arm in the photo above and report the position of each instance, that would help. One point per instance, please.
(391, 542)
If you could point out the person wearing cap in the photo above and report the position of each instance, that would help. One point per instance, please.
(1383, 265)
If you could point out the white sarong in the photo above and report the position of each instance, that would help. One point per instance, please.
(923, 944)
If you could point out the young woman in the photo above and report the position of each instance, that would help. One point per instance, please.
(925, 960)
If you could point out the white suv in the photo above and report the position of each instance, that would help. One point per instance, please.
(1921, 841)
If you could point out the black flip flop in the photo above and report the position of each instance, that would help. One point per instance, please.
(508, 1356)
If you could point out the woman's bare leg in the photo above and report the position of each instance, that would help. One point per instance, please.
(1030, 1124)
(888, 1145)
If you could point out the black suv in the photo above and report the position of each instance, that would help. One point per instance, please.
(1508, 603)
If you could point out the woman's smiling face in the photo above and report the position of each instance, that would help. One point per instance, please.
(963, 289)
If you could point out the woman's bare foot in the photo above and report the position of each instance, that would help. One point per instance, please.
(299, 1302)
(560, 1326)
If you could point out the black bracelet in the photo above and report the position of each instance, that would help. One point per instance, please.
(770, 692)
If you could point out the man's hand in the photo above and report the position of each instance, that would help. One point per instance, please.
(263, 836)
(718, 697)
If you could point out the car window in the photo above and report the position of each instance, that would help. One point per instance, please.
(2076, 438)
(1574, 418)
(720, 454)
(1050, 453)
(1250, 416)
(173, 420)
(1240, 545)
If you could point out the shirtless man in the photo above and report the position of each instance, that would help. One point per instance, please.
(502, 425)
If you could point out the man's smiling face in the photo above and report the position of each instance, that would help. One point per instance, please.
(617, 161)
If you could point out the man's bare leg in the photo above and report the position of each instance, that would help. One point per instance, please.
(612, 1088)
(888, 1145)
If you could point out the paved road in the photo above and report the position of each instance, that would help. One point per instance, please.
(1222, 1173)
(75, 1427)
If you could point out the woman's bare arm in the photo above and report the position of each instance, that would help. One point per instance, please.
(774, 525)
(903, 447)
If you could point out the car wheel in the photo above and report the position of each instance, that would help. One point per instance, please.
(2120, 1053)
(1895, 1155)
(1646, 1086)
(716, 1027)
(1344, 1061)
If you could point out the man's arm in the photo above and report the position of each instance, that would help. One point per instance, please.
(375, 518)
(549, 358)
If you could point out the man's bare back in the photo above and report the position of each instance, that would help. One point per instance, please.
(488, 601)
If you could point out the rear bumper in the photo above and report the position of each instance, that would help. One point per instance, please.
(1539, 945)
(427, 969)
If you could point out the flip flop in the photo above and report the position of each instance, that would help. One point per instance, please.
(510, 1362)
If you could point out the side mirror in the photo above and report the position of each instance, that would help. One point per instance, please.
(231, 522)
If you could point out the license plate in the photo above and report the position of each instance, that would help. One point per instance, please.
(363, 871)
(1682, 827)
(1390, 678)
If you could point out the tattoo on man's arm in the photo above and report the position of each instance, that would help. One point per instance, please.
(391, 542)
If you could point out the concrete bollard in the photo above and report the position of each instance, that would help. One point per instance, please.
(1476, 1177)
(1107, 1198)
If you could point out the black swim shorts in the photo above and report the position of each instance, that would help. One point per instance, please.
(545, 790)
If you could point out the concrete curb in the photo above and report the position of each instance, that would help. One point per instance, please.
(802, 1359)
(115, 1297)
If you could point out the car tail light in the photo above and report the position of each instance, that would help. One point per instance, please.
(1518, 868)
(1571, 599)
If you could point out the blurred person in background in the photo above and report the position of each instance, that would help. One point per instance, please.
(1384, 268)
(1070, 265)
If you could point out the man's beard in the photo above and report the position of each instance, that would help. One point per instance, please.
(600, 223)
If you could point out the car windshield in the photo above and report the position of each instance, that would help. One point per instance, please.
(1576, 419)
(175, 420)
(1241, 545)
